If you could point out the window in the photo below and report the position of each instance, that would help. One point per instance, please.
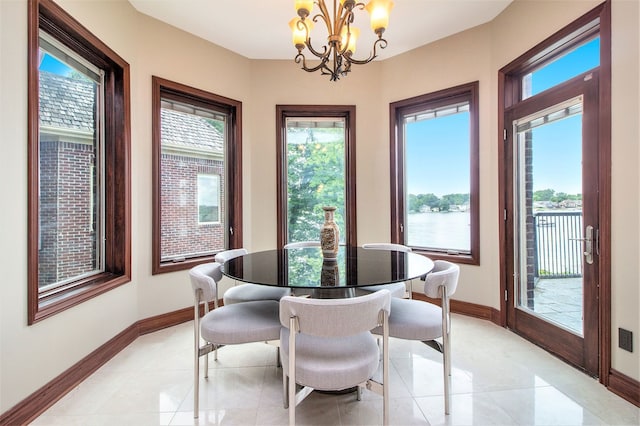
(208, 199)
(79, 183)
(316, 168)
(197, 175)
(577, 60)
(434, 174)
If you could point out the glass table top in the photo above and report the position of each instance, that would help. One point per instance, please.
(306, 268)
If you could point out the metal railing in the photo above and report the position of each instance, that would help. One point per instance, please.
(557, 244)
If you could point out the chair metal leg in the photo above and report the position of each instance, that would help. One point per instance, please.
(446, 352)
(206, 366)
(196, 361)
(285, 390)
(293, 329)
(385, 370)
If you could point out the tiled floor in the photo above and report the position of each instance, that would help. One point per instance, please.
(498, 379)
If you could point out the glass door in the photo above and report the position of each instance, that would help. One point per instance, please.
(553, 146)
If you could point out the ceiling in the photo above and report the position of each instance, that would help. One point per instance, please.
(258, 29)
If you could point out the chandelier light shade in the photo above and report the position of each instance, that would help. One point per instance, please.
(336, 56)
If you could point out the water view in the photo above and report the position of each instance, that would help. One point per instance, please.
(444, 230)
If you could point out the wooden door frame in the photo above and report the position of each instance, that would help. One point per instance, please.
(508, 94)
(563, 343)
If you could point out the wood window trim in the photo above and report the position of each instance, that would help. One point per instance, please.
(49, 16)
(470, 93)
(177, 91)
(509, 93)
(348, 112)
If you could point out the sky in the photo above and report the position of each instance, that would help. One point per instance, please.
(53, 65)
(437, 149)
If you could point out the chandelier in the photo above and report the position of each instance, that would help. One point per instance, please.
(336, 56)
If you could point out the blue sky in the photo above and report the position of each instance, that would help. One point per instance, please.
(437, 150)
(51, 64)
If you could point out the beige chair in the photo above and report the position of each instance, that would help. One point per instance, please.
(326, 344)
(248, 292)
(401, 289)
(426, 322)
(256, 321)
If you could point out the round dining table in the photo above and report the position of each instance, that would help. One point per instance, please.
(306, 269)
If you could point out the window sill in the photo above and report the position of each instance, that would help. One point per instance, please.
(54, 302)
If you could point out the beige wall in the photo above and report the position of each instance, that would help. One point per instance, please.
(31, 356)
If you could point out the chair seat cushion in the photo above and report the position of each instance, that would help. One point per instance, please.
(396, 289)
(242, 323)
(252, 292)
(331, 363)
(414, 320)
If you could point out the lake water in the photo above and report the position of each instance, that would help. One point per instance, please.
(448, 230)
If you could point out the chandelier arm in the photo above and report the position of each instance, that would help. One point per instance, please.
(324, 14)
(301, 58)
(325, 51)
(339, 18)
(374, 54)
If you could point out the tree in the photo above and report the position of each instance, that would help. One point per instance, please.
(315, 179)
(543, 195)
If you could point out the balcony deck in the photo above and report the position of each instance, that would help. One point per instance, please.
(560, 300)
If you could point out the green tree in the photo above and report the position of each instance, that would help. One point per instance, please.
(216, 124)
(315, 179)
(543, 195)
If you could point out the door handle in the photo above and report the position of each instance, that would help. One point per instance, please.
(588, 244)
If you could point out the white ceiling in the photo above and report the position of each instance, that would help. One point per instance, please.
(258, 29)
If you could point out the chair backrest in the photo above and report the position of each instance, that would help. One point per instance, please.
(223, 256)
(335, 317)
(302, 244)
(386, 246)
(205, 277)
(444, 274)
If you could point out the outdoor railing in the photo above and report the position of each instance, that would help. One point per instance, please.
(557, 244)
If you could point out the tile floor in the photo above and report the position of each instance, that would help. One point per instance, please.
(498, 379)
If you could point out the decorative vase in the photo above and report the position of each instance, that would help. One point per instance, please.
(329, 235)
(330, 274)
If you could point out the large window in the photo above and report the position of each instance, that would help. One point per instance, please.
(434, 173)
(316, 155)
(79, 183)
(197, 170)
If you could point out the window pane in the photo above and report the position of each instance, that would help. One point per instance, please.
(573, 63)
(437, 158)
(70, 170)
(315, 150)
(192, 183)
(208, 198)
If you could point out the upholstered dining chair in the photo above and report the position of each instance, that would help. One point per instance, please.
(255, 321)
(248, 292)
(326, 344)
(426, 322)
(401, 289)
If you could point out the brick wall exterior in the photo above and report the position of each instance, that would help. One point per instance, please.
(181, 233)
(67, 238)
(529, 219)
